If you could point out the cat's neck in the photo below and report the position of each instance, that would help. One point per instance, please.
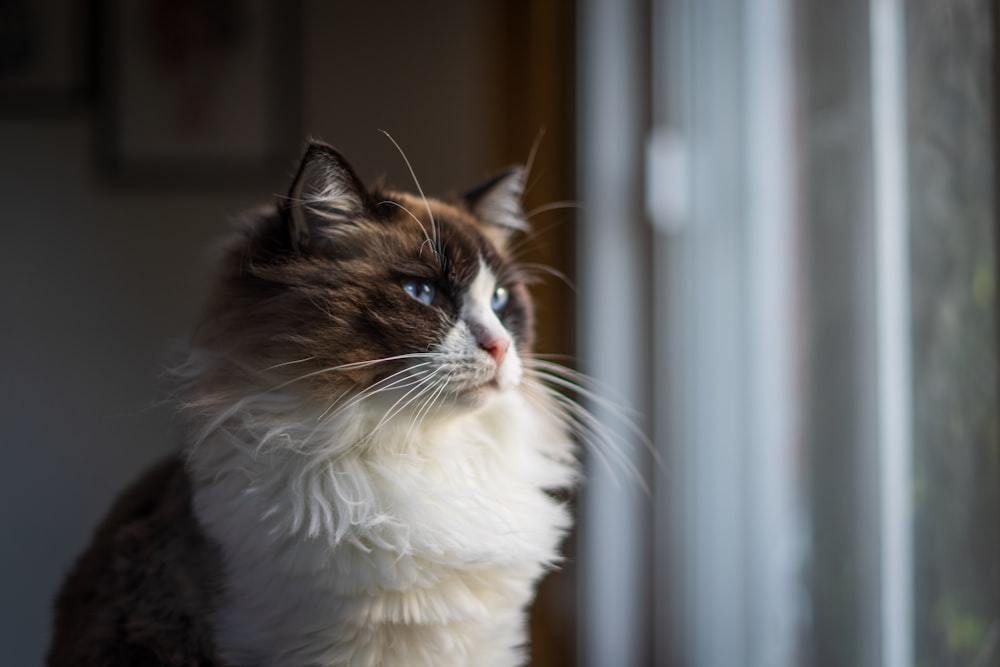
(441, 526)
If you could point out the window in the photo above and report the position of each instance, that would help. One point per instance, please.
(788, 261)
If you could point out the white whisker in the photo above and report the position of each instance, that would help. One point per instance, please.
(533, 153)
(595, 434)
(372, 362)
(355, 365)
(427, 239)
(286, 363)
(581, 430)
(400, 405)
(432, 395)
(547, 356)
(387, 383)
(420, 190)
(400, 383)
(580, 382)
(531, 238)
(542, 373)
(531, 267)
(552, 206)
(624, 415)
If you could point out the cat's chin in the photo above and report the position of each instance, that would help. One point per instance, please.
(477, 396)
(480, 393)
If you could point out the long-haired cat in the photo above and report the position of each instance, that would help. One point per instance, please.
(371, 459)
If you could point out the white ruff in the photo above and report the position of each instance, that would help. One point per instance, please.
(419, 546)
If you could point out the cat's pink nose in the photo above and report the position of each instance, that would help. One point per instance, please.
(497, 348)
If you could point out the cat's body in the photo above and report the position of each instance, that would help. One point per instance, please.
(368, 478)
(144, 593)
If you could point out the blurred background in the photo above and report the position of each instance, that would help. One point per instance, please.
(778, 220)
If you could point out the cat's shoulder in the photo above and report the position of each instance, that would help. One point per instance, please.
(143, 591)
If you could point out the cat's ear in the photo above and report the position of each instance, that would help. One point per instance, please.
(497, 202)
(326, 191)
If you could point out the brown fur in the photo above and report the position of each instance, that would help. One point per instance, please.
(143, 593)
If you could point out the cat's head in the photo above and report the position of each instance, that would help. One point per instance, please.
(342, 290)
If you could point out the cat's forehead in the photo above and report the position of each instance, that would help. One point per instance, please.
(465, 243)
(454, 219)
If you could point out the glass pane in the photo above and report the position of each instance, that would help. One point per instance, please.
(838, 268)
(956, 489)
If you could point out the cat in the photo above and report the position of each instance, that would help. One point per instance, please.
(373, 460)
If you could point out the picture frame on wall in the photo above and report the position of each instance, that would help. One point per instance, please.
(46, 63)
(198, 93)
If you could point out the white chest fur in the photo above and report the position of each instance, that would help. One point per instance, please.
(421, 547)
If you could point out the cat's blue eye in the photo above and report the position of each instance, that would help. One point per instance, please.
(500, 298)
(421, 290)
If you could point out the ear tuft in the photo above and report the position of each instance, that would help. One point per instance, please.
(498, 201)
(325, 191)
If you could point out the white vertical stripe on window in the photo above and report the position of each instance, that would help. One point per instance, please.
(893, 329)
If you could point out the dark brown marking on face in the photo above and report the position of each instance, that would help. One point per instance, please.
(314, 283)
